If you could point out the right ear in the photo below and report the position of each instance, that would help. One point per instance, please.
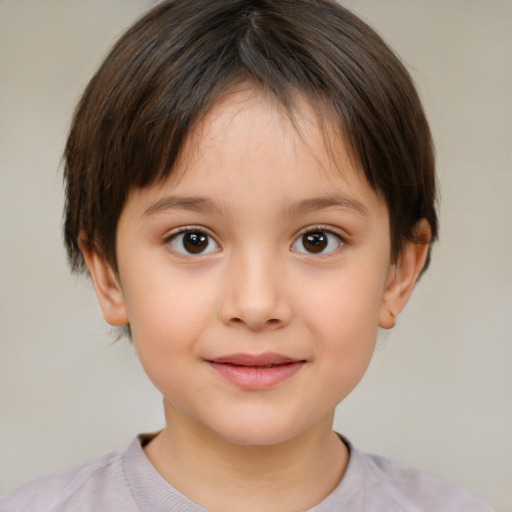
(106, 283)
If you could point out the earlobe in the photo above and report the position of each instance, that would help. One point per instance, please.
(106, 283)
(404, 274)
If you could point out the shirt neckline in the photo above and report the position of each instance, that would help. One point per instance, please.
(153, 493)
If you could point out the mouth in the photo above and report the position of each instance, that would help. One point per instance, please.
(256, 372)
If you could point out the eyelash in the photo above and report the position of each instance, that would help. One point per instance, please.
(300, 238)
(324, 230)
(174, 236)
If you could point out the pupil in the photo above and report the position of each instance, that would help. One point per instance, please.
(195, 242)
(315, 242)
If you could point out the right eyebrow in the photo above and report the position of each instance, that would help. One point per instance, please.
(194, 204)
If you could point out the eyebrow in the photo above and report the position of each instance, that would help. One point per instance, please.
(322, 203)
(194, 204)
(206, 206)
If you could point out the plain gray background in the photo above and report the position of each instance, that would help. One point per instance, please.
(438, 394)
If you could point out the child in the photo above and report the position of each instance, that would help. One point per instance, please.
(250, 185)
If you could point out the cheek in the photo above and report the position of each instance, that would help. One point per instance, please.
(347, 305)
(167, 318)
(166, 334)
(343, 319)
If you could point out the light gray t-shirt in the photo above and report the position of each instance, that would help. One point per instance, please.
(127, 482)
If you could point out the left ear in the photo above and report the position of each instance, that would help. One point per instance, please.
(404, 274)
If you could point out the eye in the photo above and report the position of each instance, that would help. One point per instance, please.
(193, 241)
(317, 241)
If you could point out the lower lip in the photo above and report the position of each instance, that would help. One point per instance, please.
(257, 378)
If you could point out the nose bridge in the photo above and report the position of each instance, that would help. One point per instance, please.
(255, 294)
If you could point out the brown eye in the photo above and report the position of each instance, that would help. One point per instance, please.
(317, 242)
(314, 242)
(193, 242)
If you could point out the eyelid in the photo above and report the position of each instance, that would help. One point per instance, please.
(185, 229)
(167, 239)
(327, 228)
(323, 228)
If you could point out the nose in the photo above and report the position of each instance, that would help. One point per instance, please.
(254, 296)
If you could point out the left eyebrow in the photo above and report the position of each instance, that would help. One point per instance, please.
(322, 203)
(194, 204)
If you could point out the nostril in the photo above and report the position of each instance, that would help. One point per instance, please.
(271, 323)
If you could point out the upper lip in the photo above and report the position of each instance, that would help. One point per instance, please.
(255, 360)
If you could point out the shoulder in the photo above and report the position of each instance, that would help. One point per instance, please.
(406, 488)
(81, 489)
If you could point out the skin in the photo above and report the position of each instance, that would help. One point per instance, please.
(257, 185)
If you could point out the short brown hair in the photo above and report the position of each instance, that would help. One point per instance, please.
(167, 71)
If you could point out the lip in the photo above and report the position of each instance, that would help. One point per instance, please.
(256, 372)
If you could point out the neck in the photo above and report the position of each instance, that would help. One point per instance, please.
(225, 477)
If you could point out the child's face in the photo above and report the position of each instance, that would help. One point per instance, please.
(261, 252)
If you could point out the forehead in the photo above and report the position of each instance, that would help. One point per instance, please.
(250, 144)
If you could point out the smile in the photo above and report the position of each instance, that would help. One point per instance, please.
(256, 373)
